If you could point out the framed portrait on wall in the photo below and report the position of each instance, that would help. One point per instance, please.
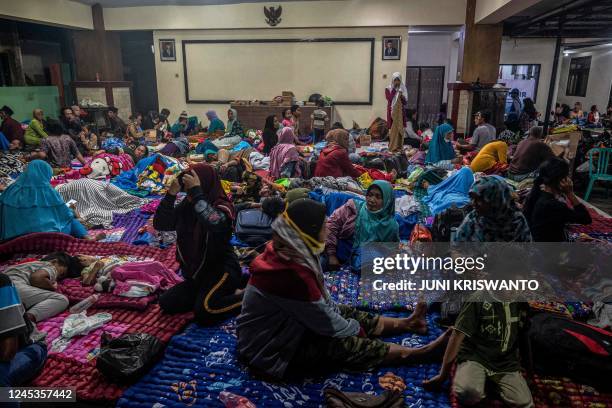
(392, 48)
(167, 50)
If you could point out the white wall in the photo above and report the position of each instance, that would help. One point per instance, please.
(434, 49)
(55, 12)
(600, 79)
(532, 51)
(171, 89)
(300, 14)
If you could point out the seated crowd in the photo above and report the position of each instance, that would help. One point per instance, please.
(288, 325)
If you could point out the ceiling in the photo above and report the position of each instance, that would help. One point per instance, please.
(137, 3)
(564, 18)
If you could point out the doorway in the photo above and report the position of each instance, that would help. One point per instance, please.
(139, 68)
(425, 87)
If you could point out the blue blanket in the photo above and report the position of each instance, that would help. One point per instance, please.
(201, 362)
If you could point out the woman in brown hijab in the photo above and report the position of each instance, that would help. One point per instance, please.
(334, 159)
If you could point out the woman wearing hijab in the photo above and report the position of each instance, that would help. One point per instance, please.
(396, 94)
(36, 130)
(203, 224)
(234, 127)
(289, 325)
(495, 217)
(284, 157)
(358, 222)
(31, 204)
(216, 124)
(334, 158)
(270, 133)
(489, 156)
(440, 151)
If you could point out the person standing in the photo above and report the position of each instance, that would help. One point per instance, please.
(10, 127)
(318, 121)
(396, 94)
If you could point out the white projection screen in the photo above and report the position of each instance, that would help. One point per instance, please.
(227, 70)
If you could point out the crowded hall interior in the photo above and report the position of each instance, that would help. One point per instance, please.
(215, 203)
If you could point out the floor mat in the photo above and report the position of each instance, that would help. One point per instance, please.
(75, 292)
(74, 367)
(201, 362)
(45, 242)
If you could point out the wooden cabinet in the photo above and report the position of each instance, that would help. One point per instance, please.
(254, 116)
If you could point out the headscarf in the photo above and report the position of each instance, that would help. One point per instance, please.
(284, 152)
(339, 137)
(200, 250)
(270, 135)
(506, 223)
(30, 204)
(377, 226)
(402, 87)
(211, 114)
(286, 136)
(230, 123)
(439, 148)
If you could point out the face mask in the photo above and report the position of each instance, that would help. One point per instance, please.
(318, 248)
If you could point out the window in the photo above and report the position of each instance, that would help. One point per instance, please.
(525, 78)
(578, 78)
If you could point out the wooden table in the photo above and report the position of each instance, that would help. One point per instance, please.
(254, 116)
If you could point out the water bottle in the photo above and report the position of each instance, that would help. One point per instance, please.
(235, 401)
(84, 304)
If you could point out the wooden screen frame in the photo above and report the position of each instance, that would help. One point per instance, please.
(281, 40)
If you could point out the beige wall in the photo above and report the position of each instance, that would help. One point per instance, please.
(600, 79)
(171, 89)
(532, 51)
(347, 13)
(55, 12)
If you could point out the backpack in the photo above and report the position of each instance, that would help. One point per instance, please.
(447, 220)
(253, 227)
(564, 347)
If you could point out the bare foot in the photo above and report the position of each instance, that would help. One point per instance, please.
(416, 322)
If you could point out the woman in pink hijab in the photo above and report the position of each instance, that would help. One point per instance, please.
(284, 157)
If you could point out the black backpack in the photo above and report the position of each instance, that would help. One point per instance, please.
(564, 347)
(253, 227)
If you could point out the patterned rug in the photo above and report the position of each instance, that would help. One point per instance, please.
(201, 362)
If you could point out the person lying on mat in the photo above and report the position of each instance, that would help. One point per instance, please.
(213, 285)
(358, 222)
(23, 350)
(485, 345)
(31, 204)
(36, 283)
(546, 209)
(290, 327)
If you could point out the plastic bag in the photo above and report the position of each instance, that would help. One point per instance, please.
(79, 324)
(127, 357)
